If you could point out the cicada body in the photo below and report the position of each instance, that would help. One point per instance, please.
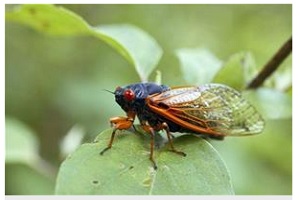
(210, 111)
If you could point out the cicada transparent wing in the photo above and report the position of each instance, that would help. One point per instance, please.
(210, 109)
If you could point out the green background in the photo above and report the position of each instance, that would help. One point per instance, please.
(53, 83)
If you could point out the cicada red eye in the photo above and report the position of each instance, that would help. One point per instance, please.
(129, 95)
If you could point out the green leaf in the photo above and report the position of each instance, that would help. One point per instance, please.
(135, 45)
(22, 179)
(21, 145)
(237, 71)
(272, 104)
(49, 19)
(126, 168)
(143, 50)
(198, 66)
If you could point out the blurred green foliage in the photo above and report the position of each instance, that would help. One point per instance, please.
(53, 83)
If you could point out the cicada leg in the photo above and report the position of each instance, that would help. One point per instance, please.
(119, 123)
(151, 131)
(110, 142)
(166, 128)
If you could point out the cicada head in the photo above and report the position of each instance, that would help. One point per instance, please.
(132, 97)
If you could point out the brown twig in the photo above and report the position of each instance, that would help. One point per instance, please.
(272, 65)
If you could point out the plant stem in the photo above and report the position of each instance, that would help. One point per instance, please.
(272, 65)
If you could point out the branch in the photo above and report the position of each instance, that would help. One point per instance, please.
(272, 65)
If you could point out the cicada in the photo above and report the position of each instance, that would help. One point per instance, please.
(210, 111)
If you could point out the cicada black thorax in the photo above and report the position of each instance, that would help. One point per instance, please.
(132, 99)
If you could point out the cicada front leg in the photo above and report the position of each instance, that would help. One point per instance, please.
(119, 123)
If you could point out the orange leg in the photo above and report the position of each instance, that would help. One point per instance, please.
(119, 123)
(152, 133)
(110, 142)
(166, 128)
(150, 130)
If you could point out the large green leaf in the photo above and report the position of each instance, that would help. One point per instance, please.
(126, 168)
(135, 45)
(198, 66)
